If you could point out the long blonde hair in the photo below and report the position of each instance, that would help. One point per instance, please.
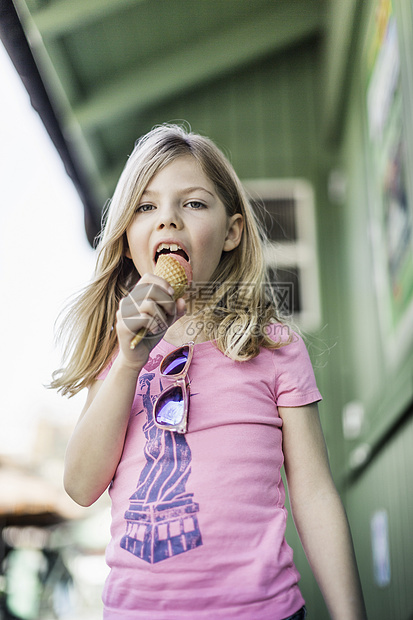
(242, 306)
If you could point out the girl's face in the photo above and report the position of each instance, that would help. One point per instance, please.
(180, 211)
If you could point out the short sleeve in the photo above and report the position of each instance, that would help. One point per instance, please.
(295, 381)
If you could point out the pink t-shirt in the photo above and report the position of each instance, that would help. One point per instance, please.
(198, 520)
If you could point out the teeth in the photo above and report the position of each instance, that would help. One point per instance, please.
(172, 247)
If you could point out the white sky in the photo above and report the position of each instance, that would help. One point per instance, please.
(44, 259)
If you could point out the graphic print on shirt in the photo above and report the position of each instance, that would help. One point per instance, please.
(162, 518)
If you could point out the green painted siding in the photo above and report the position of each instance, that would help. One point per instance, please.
(365, 374)
(263, 117)
(387, 485)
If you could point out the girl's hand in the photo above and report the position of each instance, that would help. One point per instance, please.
(150, 306)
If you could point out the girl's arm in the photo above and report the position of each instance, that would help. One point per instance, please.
(318, 513)
(95, 448)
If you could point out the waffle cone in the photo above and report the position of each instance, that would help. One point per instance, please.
(170, 269)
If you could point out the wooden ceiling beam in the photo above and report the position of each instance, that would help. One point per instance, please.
(340, 47)
(63, 16)
(203, 61)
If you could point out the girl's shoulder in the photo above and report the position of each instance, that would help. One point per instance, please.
(295, 380)
(289, 343)
(281, 334)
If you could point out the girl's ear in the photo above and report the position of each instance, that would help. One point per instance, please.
(234, 232)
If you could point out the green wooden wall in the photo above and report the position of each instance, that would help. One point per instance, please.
(258, 116)
(384, 387)
(387, 485)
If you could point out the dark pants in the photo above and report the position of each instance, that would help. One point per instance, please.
(299, 615)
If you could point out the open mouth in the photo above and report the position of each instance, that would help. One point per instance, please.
(170, 248)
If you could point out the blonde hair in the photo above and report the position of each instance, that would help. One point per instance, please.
(242, 307)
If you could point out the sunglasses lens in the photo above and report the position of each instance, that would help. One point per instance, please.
(174, 363)
(170, 406)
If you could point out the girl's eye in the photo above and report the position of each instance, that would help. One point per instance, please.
(144, 208)
(195, 204)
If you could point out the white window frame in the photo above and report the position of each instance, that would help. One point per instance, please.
(300, 254)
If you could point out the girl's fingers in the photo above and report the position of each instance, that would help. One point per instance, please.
(148, 314)
(148, 306)
(152, 291)
(148, 310)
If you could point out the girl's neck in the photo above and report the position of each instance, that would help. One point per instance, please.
(187, 328)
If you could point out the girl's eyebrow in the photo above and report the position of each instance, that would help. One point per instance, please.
(186, 190)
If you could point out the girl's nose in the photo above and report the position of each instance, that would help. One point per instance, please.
(169, 218)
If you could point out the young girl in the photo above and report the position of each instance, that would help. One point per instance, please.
(198, 517)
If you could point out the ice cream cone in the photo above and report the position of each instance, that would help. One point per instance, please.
(171, 269)
(178, 273)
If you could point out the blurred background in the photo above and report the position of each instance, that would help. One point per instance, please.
(312, 102)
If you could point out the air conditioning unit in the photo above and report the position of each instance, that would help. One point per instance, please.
(286, 209)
